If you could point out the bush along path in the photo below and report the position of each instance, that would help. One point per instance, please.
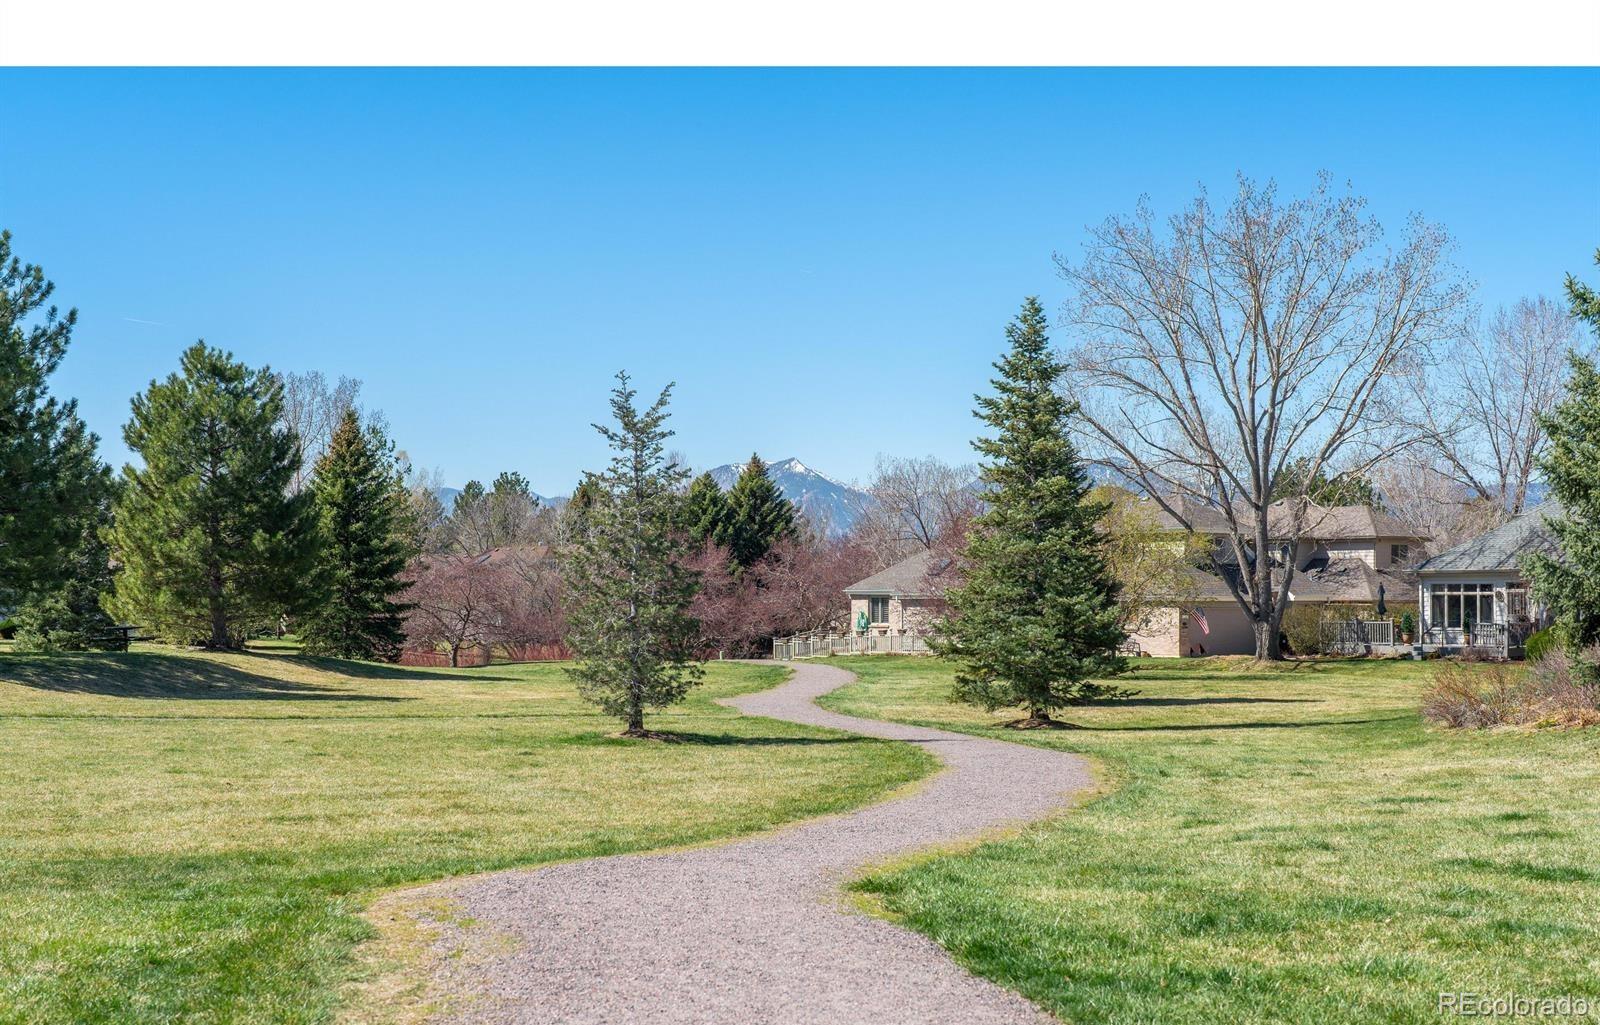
(754, 931)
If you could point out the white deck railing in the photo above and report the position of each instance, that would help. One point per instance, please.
(1360, 637)
(894, 642)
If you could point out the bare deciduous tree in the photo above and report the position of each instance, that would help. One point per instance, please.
(1420, 490)
(536, 613)
(1480, 406)
(458, 603)
(1217, 348)
(426, 509)
(797, 587)
(800, 584)
(915, 503)
(314, 408)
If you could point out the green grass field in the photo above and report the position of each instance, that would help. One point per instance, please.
(1275, 846)
(194, 838)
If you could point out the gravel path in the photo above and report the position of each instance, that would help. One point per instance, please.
(751, 932)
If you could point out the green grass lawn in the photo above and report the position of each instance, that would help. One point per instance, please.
(193, 838)
(1275, 846)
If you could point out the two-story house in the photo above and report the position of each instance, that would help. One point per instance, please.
(1349, 555)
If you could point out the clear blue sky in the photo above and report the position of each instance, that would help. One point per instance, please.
(823, 260)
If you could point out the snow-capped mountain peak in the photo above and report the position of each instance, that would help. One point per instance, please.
(823, 500)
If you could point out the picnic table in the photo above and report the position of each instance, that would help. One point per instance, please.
(117, 638)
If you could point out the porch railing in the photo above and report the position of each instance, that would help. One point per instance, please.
(1492, 639)
(1358, 636)
(894, 642)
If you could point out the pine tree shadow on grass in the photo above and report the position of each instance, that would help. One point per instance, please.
(1137, 702)
(151, 675)
(1262, 725)
(391, 671)
(738, 740)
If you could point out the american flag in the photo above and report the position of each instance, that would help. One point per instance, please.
(1200, 621)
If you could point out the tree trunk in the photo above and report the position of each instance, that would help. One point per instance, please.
(1268, 648)
(213, 555)
(455, 656)
(635, 712)
(219, 612)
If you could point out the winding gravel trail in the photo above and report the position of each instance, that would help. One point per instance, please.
(753, 931)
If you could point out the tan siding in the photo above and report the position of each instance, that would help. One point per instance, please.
(1231, 633)
(1363, 550)
(1157, 635)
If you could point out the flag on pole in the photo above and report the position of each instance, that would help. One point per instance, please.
(1200, 621)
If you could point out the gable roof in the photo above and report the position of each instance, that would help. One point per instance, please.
(1341, 580)
(907, 578)
(1501, 549)
(1322, 523)
(1351, 580)
(1350, 523)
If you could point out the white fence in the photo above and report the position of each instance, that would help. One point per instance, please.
(812, 645)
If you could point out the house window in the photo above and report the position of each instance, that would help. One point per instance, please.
(1460, 606)
(1399, 553)
(878, 611)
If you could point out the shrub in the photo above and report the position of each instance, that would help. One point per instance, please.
(1540, 644)
(1302, 625)
(1558, 690)
(1408, 624)
(63, 621)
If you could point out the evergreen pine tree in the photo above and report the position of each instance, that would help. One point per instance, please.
(512, 507)
(1584, 299)
(465, 531)
(575, 515)
(361, 503)
(50, 476)
(705, 510)
(629, 589)
(1570, 582)
(1035, 622)
(70, 616)
(213, 548)
(758, 515)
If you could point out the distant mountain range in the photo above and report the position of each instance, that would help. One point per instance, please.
(825, 501)
(837, 506)
(447, 498)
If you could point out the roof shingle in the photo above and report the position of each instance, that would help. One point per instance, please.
(1322, 523)
(1501, 549)
(908, 578)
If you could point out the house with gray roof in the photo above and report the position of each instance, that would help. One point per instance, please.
(901, 599)
(1348, 559)
(1475, 595)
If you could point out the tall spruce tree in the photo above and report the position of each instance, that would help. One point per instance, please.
(1570, 582)
(71, 616)
(362, 507)
(50, 475)
(213, 548)
(629, 624)
(758, 515)
(512, 507)
(705, 510)
(1034, 624)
